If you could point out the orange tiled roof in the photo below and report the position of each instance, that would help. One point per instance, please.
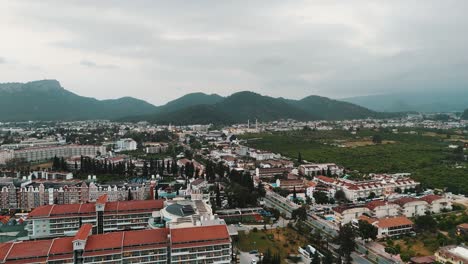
(196, 234)
(394, 221)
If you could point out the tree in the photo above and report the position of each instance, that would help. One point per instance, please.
(315, 258)
(340, 196)
(321, 197)
(218, 196)
(346, 242)
(300, 213)
(267, 257)
(299, 158)
(425, 223)
(371, 195)
(367, 230)
(130, 195)
(294, 194)
(377, 139)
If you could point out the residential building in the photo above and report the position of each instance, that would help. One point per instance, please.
(291, 185)
(126, 144)
(155, 147)
(390, 226)
(437, 204)
(411, 207)
(205, 244)
(267, 173)
(39, 192)
(201, 244)
(280, 203)
(380, 209)
(452, 254)
(380, 185)
(260, 155)
(346, 214)
(313, 169)
(63, 220)
(46, 153)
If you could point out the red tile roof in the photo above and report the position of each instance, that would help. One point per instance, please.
(104, 241)
(30, 249)
(145, 237)
(61, 246)
(199, 234)
(4, 249)
(325, 179)
(393, 222)
(83, 232)
(431, 198)
(112, 243)
(405, 200)
(372, 205)
(102, 199)
(70, 210)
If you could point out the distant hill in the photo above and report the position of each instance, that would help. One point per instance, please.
(465, 114)
(243, 106)
(191, 99)
(423, 101)
(329, 109)
(48, 100)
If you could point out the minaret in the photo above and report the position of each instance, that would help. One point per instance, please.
(256, 124)
(248, 123)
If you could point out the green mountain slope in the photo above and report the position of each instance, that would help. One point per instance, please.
(191, 99)
(329, 109)
(243, 106)
(47, 100)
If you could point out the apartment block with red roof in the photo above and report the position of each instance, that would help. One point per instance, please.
(65, 220)
(390, 226)
(201, 244)
(209, 244)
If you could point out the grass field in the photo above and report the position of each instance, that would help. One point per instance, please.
(283, 240)
(426, 157)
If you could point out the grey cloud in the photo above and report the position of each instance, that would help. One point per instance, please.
(277, 47)
(92, 64)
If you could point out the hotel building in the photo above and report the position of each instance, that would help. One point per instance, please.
(65, 220)
(202, 244)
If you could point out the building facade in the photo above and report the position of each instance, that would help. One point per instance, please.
(201, 244)
(65, 220)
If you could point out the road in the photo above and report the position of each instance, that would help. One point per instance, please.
(361, 249)
(359, 259)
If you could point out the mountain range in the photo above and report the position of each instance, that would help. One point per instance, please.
(48, 100)
(447, 100)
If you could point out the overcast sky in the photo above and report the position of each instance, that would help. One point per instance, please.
(160, 50)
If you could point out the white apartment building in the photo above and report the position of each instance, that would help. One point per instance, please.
(65, 151)
(65, 220)
(346, 215)
(355, 190)
(263, 155)
(411, 207)
(126, 144)
(313, 169)
(282, 204)
(381, 209)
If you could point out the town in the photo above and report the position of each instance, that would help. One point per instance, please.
(205, 194)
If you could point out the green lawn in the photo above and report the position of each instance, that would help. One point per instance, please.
(427, 158)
